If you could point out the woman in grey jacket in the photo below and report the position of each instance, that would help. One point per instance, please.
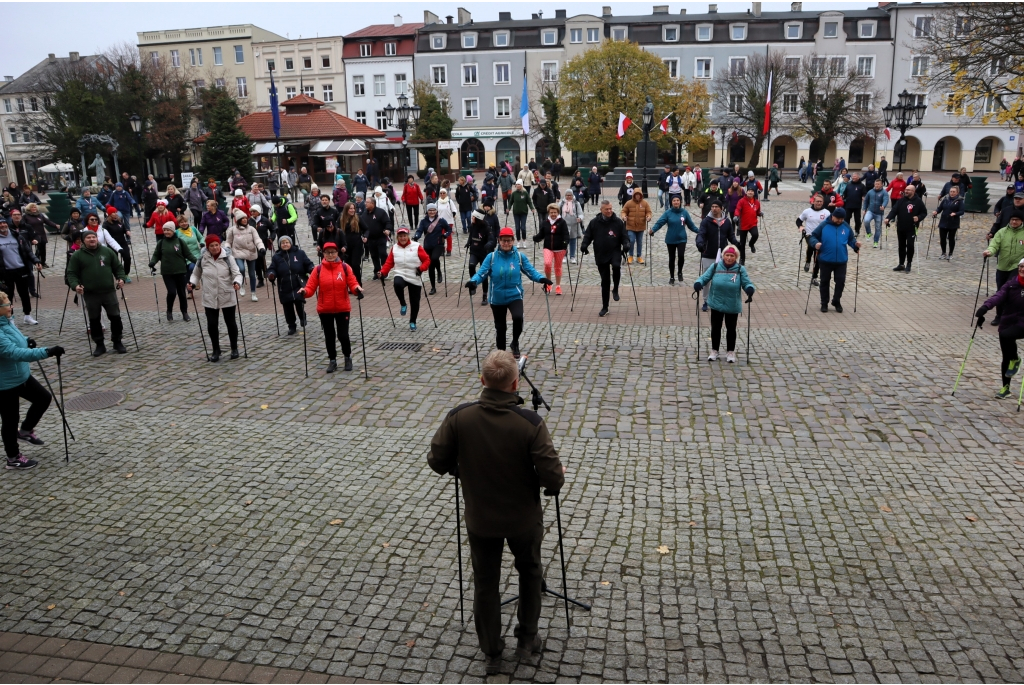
(217, 276)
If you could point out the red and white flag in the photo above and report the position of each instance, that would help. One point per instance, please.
(888, 134)
(664, 125)
(768, 106)
(624, 123)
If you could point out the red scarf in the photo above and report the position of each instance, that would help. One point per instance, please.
(1020, 279)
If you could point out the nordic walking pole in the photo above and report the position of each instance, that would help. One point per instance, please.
(362, 335)
(458, 537)
(551, 330)
(984, 263)
(425, 295)
(930, 234)
(579, 269)
(201, 336)
(382, 287)
(86, 318)
(444, 271)
(650, 250)
(273, 296)
(696, 307)
(808, 303)
(156, 296)
(635, 301)
(988, 275)
(462, 276)
(60, 383)
(561, 554)
(305, 356)
(856, 283)
(39, 283)
(476, 345)
(241, 326)
(964, 362)
(799, 258)
(129, 315)
(750, 305)
(64, 418)
(764, 225)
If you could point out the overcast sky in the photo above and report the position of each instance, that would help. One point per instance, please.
(32, 30)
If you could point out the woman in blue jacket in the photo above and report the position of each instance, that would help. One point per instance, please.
(16, 382)
(726, 279)
(676, 220)
(505, 267)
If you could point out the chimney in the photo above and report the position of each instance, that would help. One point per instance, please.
(450, 19)
(682, 11)
(8, 78)
(465, 17)
(73, 56)
(534, 16)
(797, 7)
(52, 58)
(504, 16)
(756, 6)
(429, 17)
(398, 21)
(606, 11)
(559, 14)
(712, 9)
(661, 9)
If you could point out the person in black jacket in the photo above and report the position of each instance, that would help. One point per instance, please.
(853, 201)
(710, 195)
(116, 226)
(909, 212)
(265, 230)
(1005, 208)
(289, 267)
(949, 212)
(464, 198)
(16, 264)
(715, 233)
(434, 230)
(542, 197)
(607, 232)
(553, 232)
(483, 239)
(375, 224)
(354, 241)
(324, 217)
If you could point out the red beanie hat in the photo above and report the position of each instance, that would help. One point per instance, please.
(212, 238)
(111, 209)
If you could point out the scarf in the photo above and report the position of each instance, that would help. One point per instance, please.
(569, 207)
(187, 232)
(1020, 279)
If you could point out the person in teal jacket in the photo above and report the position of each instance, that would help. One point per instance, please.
(725, 280)
(676, 219)
(505, 267)
(16, 382)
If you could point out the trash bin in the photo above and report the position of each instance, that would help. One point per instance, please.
(977, 197)
(58, 209)
(821, 177)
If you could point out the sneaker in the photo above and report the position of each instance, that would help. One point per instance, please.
(558, 290)
(1013, 367)
(868, 232)
(254, 298)
(185, 316)
(528, 647)
(30, 436)
(713, 357)
(907, 270)
(234, 353)
(1003, 392)
(31, 321)
(671, 281)
(404, 309)
(492, 663)
(348, 361)
(433, 291)
(753, 250)
(170, 316)
(241, 292)
(291, 330)
(839, 307)
(730, 357)
(23, 463)
(942, 256)
(899, 267)
(332, 366)
(704, 308)
(101, 349)
(629, 260)
(440, 276)
(603, 312)
(483, 300)
(615, 295)
(874, 246)
(995, 321)
(127, 279)
(412, 326)
(120, 348)
(215, 357)
(572, 261)
(515, 350)
(814, 281)
(807, 267)
(259, 284)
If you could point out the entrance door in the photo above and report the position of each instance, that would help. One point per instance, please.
(938, 154)
(780, 156)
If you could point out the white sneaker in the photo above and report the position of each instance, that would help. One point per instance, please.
(713, 357)
(730, 357)
(254, 298)
(241, 291)
(30, 321)
(572, 261)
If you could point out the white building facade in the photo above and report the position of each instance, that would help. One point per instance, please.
(305, 66)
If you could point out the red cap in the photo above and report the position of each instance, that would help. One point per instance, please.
(506, 232)
(212, 238)
(111, 209)
(330, 246)
(402, 229)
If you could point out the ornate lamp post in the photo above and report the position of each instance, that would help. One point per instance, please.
(136, 121)
(648, 123)
(904, 115)
(405, 115)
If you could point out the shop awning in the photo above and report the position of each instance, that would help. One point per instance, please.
(267, 149)
(348, 146)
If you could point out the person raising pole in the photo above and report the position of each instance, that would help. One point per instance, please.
(554, 234)
(409, 260)
(289, 267)
(505, 267)
(332, 281)
(607, 233)
(724, 281)
(217, 275)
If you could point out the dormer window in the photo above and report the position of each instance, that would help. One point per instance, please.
(704, 32)
(670, 34)
(831, 29)
(468, 41)
(618, 33)
(549, 36)
(500, 39)
(438, 41)
(738, 31)
(794, 30)
(866, 29)
(365, 49)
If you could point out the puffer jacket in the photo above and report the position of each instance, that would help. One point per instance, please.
(676, 221)
(609, 238)
(447, 209)
(331, 282)
(432, 236)
(216, 278)
(727, 283)
(245, 242)
(1010, 297)
(505, 269)
(289, 269)
(15, 355)
(834, 239)
(636, 214)
(408, 262)
(38, 223)
(748, 211)
(714, 234)
(482, 239)
(340, 196)
(1008, 247)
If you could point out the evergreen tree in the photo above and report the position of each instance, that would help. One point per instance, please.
(434, 123)
(227, 146)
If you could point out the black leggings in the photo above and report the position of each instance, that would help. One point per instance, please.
(214, 331)
(378, 253)
(175, 284)
(1007, 343)
(414, 215)
(854, 215)
(38, 398)
(609, 272)
(400, 285)
(473, 264)
(743, 242)
(501, 326)
(329, 322)
(950, 235)
(291, 309)
(730, 330)
(673, 250)
(22, 280)
(126, 259)
(436, 255)
(811, 253)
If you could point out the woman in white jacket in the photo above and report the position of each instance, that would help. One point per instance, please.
(409, 260)
(217, 277)
(447, 209)
(245, 244)
(572, 212)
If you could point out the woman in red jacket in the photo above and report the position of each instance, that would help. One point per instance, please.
(332, 281)
(412, 196)
(160, 217)
(896, 188)
(747, 211)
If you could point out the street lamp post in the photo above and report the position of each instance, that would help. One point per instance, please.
(648, 122)
(904, 115)
(405, 116)
(136, 121)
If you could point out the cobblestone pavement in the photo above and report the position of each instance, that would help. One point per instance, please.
(827, 512)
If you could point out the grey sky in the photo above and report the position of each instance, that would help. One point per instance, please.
(32, 30)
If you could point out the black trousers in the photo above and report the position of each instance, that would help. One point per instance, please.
(687, 196)
(436, 263)
(906, 237)
(414, 215)
(291, 309)
(609, 272)
(38, 398)
(473, 264)
(97, 302)
(828, 270)
(947, 235)
(673, 250)
(354, 258)
(126, 259)
(338, 321)
(753, 233)
(175, 284)
(20, 279)
(485, 554)
(501, 326)
(1007, 343)
(214, 331)
(717, 318)
(378, 252)
(261, 265)
(41, 253)
(1001, 278)
(854, 215)
(400, 285)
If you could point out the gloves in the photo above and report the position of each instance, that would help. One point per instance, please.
(359, 295)
(981, 316)
(546, 282)
(31, 344)
(585, 251)
(698, 286)
(55, 351)
(271, 277)
(538, 238)
(152, 271)
(472, 287)
(750, 292)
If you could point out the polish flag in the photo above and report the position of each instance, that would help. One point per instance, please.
(664, 125)
(768, 106)
(888, 134)
(624, 123)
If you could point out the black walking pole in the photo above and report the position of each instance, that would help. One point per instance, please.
(60, 383)
(462, 276)
(696, 307)
(808, 303)
(964, 362)
(241, 326)
(66, 297)
(551, 330)
(156, 296)
(476, 345)
(362, 334)
(988, 277)
(60, 406)
(428, 303)
(799, 258)
(981, 276)
(458, 538)
(305, 356)
(536, 230)
(561, 554)
(273, 296)
(630, 272)
(87, 331)
(579, 268)
(650, 250)
(856, 283)
(444, 270)
(382, 287)
(39, 283)
(750, 305)
(201, 336)
(764, 225)
(129, 315)
(930, 234)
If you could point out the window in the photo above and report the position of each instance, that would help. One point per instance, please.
(242, 86)
(703, 68)
(549, 71)
(218, 57)
(309, 90)
(962, 25)
(737, 66)
(289, 64)
(380, 86)
(468, 41)
(25, 137)
(837, 66)
(358, 86)
(618, 33)
(365, 49)
(46, 101)
(200, 86)
(438, 41)
(7, 106)
(549, 36)
(922, 27)
(735, 104)
(502, 73)
(289, 92)
(401, 85)
(673, 67)
(831, 29)
(794, 31)
(997, 66)
(33, 104)
(575, 35)
(361, 117)
(983, 152)
(328, 92)
(818, 66)
(919, 66)
(270, 65)
(738, 31)
(194, 55)
(471, 108)
(789, 103)
(993, 103)
(792, 66)
(382, 119)
(14, 134)
(154, 59)
(866, 29)
(866, 67)
(390, 49)
(670, 34)
(439, 75)
(704, 32)
(325, 61)
(219, 83)
(954, 105)
(502, 108)
(593, 35)
(239, 54)
(307, 62)
(175, 58)
(862, 102)
(21, 104)
(918, 99)
(469, 75)
(500, 39)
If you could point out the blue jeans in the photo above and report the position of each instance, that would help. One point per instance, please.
(875, 219)
(520, 221)
(572, 248)
(252, 271)
(636, 238)
(467, 217)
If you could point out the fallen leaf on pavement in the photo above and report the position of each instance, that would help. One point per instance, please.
(885, 509)
(846, 375)
(53, 498)
(121, 593)
(692, 524)
(605, 582)
(264, 406)
(335, 522)
(387, 544)
(425, 605)
(248, 502)
(129, 475)
(410, 643)
(842, 340)
(663, 549)
(51, 606)
(972, 519)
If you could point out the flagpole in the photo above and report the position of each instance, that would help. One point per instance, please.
(768, 128)
(276, 117)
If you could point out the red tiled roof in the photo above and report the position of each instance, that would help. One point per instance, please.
(302, 99)
(385, 30)
(319, 123)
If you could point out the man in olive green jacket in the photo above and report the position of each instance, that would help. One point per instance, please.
(1008, 247)
(95, 272)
